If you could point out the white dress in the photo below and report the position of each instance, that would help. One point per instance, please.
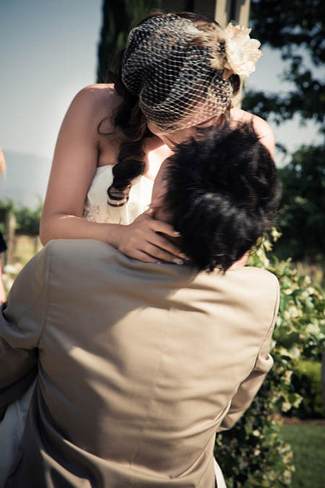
(96, 210)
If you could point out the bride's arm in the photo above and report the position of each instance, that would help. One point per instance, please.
(73, 167)
(265, 133)
(262, 128)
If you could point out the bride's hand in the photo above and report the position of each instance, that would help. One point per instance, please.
(142, 240)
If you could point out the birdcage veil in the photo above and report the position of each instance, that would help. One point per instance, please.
(177, 70)
(181, 72)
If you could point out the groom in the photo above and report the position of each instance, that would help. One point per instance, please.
(139, 365)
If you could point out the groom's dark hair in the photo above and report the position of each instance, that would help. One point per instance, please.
(222, 194)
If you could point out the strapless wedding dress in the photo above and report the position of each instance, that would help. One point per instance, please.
(96, 207)
(97, 210)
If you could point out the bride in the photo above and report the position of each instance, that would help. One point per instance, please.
(179, 72)
(115, 137)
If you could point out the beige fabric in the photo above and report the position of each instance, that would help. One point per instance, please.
(139, 365)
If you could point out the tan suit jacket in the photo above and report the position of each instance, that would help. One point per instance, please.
(138, 365)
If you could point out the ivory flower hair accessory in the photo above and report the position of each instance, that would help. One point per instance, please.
(241, 52)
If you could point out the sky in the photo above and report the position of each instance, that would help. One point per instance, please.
(48, 52)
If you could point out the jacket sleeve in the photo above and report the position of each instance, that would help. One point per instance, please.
(248, 389)
(22, 319)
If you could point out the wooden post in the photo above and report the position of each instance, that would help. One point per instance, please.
(7, 217)
(241, 12)
(221, 10)
(232, 10)
(10, 236)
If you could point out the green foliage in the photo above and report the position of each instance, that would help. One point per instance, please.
(7, 204)
(298, 32)
(301, 217)
(27, 219)
(253, 454)
(307, 380)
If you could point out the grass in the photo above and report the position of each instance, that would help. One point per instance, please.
(308, 445)
(25, 248)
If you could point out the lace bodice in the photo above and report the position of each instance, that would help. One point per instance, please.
(96, 207)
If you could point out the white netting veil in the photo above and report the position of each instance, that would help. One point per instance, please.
(177, 71)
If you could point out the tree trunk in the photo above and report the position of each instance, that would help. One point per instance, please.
(118, 17)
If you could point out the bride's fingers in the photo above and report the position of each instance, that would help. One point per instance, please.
(163, 227)
(164, 244)
(142, 256)
(161, 255)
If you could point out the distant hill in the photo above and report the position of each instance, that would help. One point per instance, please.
(26, 178)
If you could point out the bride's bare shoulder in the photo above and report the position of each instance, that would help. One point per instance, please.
(95, 102)
(261, 126)
(98, 91)
(98, 95)
(240, 115)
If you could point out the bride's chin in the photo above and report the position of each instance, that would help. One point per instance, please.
(161, 136)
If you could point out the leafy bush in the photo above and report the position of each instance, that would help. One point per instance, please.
(307, 380)
(253, 454)
(301, 217)
(7, 204)
(27, 219)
